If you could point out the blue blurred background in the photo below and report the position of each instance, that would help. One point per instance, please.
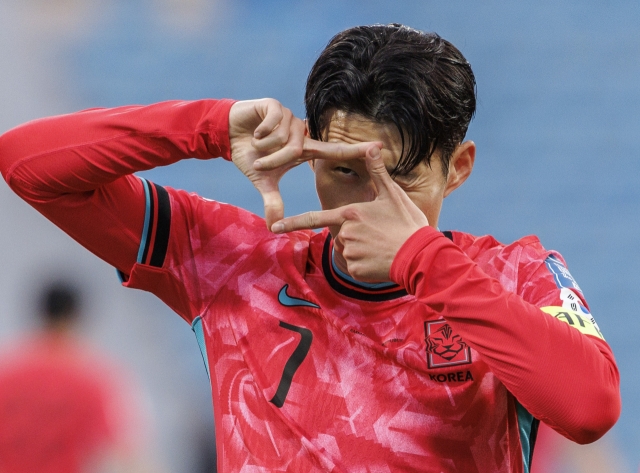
(557, 128)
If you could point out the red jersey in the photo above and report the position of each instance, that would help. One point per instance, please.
(445, 370)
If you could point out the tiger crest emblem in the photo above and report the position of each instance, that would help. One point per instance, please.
(444, 346)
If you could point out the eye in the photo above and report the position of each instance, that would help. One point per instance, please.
(346, 171)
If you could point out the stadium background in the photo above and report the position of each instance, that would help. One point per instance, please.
(557, 131)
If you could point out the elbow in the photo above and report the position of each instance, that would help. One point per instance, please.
(8, 160)
(597, 418)
(4, 160)
(596, 407)
(21, 179)
(20, 187)
(591, 433)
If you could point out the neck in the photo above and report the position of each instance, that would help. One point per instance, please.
(339, 262)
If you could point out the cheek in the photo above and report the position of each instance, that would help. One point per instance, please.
(429, 202)
(328, 198)
(326, 192)
(336, 192)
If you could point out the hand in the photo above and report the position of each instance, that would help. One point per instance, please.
(371, 233)
(267, 140)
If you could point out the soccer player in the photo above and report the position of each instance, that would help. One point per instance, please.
(378, 344)
(65, 407)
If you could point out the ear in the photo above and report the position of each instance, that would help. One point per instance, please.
(460, 166)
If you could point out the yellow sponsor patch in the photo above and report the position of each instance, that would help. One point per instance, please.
(585, 323)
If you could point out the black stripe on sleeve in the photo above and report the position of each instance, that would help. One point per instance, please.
(151, 209)
(163, 227)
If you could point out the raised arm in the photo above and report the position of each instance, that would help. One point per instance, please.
(558, 367)
(552, 359)
(77, 169)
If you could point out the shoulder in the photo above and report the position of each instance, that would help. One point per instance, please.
(196, 206)
(486, 246)
(213, 231)
(512, 263)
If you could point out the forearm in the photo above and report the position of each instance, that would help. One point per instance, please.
(82, 151)
(567, 379)
(76, 169)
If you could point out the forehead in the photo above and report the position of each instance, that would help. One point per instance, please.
(352, 128)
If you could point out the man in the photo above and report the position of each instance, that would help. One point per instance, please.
(378, 344)
(64, 407)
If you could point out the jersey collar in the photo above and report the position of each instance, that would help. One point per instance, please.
(347, 286)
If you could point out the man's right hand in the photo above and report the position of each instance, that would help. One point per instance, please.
(267, 140)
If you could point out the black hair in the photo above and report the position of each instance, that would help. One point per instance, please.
(59, 303)
(393, 74)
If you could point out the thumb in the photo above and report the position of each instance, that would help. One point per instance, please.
(378, 171)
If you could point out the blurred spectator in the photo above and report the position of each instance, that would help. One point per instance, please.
(65, 408)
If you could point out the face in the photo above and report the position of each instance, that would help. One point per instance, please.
(340, 183)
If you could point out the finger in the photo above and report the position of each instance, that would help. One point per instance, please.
(289, 154)
(272, 113)
(378, 171)
(273, 206)
(278, 135)
(309, 221)
(314, 149)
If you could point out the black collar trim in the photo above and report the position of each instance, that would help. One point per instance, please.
(353, 289)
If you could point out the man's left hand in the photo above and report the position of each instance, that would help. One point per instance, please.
(371, 233)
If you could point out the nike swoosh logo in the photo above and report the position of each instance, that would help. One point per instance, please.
(288, 301)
